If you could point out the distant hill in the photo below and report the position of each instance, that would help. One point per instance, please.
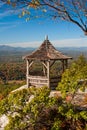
(15, 54)
(10, 48)
(74, 51)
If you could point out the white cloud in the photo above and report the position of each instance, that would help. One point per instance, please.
(7, 25)
(26, 44)
(9, 12)
(80, 42)
(6, 13)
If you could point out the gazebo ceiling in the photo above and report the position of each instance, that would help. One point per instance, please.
(46, 52)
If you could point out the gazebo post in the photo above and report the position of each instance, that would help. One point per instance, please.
(63, 66)
(66, 63)
(27, 74)
(48, 73)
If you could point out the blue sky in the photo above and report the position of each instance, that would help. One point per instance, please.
(15, 31)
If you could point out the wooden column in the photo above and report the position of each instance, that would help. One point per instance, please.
(29, 64)
(66, 64)
(63, 68)
(48, 73)
(44, 71)
(27, 73)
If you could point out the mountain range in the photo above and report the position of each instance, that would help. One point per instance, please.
(9, 53)
(10, 48)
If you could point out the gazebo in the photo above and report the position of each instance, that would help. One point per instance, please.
(47, 55)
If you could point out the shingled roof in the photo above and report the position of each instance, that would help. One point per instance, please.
(46, 52)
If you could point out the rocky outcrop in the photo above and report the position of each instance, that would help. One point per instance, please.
(3, 121)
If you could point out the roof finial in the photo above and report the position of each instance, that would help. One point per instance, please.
(46, 37)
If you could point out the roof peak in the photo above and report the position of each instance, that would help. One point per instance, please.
(46, 37)
(47, 51)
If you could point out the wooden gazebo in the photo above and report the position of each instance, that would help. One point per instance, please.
(47, 55)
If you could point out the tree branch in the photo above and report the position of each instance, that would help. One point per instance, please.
(78, 14)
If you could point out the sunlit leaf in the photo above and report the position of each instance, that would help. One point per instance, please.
(8, 2)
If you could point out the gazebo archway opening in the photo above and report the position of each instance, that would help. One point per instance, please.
(45, 73)
(57, 68)
(36, 69)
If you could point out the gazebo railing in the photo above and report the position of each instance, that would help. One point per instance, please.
(38, 81)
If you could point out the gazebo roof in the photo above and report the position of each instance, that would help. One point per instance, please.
(46, 52)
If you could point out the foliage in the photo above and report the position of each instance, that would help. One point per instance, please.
(74, 78)
(5, 89)
(35, 109)
(42, 112)
(12, 71)
(85, 100)
(74, 11)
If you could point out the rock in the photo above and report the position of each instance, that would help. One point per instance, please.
(55, 93)
(3, 121)
(18, 89)
(31, 97)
